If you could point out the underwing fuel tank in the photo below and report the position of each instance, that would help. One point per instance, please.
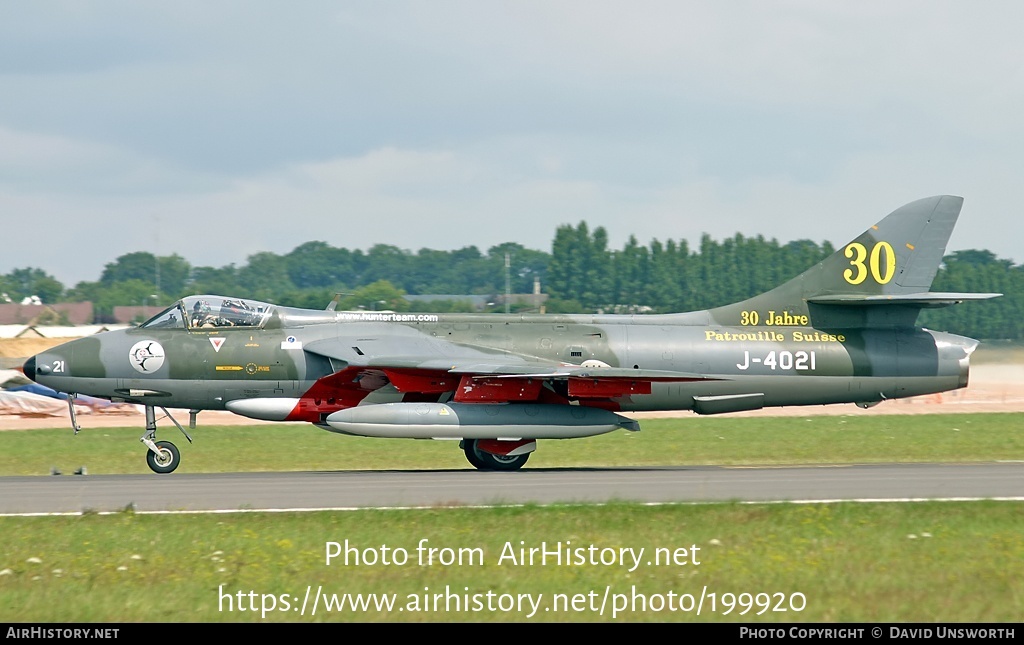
(511, 421)
(276, 409)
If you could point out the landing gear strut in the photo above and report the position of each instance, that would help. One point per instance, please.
(163, 456)
(484, 460)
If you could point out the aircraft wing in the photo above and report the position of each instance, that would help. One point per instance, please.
(498, 380)
(579, 371)
(472, 375)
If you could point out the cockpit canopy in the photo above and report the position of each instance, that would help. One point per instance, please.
(211, 312)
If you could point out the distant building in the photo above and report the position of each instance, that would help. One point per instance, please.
(70, 313)
(134, 314)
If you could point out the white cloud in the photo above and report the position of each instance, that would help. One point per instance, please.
(448, 199)
(217, 131)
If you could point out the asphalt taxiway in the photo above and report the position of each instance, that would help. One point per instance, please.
(227, 492)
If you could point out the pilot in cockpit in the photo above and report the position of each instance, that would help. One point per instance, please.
(201, 314)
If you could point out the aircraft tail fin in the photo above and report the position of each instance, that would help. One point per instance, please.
(893, 263)
(901, 254)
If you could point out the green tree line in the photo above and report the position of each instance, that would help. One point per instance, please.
(580, 274)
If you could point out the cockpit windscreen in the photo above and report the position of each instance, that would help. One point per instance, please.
(211, 312)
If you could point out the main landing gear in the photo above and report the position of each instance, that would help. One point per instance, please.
(163, 456)
(490, 454)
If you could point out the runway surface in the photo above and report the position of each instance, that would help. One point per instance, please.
(335, 490)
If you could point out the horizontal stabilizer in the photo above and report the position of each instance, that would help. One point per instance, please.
(927, 299)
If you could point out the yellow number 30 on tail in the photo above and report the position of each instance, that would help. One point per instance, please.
(857, 253)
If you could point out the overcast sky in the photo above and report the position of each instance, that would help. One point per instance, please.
(216, 130)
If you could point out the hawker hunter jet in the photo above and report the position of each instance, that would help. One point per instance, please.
(843, 331)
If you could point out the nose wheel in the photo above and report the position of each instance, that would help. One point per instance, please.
(165, 458)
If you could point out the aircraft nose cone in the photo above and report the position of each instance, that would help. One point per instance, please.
(30, 368)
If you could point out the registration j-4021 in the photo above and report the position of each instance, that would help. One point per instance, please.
(780, 360)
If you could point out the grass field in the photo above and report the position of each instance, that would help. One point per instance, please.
(921, 562)
(666, 442)
(918, 562)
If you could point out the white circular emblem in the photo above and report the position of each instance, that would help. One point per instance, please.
(146, 356)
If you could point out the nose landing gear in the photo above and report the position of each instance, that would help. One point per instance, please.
(163, 456)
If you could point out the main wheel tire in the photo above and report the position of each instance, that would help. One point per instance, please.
(469, 447)
(484, 460)
(166, 460)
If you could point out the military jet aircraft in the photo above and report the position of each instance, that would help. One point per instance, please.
(843, 331)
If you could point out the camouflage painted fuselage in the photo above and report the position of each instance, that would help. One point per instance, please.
(775, 364)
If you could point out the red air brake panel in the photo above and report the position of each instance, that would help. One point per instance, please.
(426, 382)
(596, 388)
(496, 390)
